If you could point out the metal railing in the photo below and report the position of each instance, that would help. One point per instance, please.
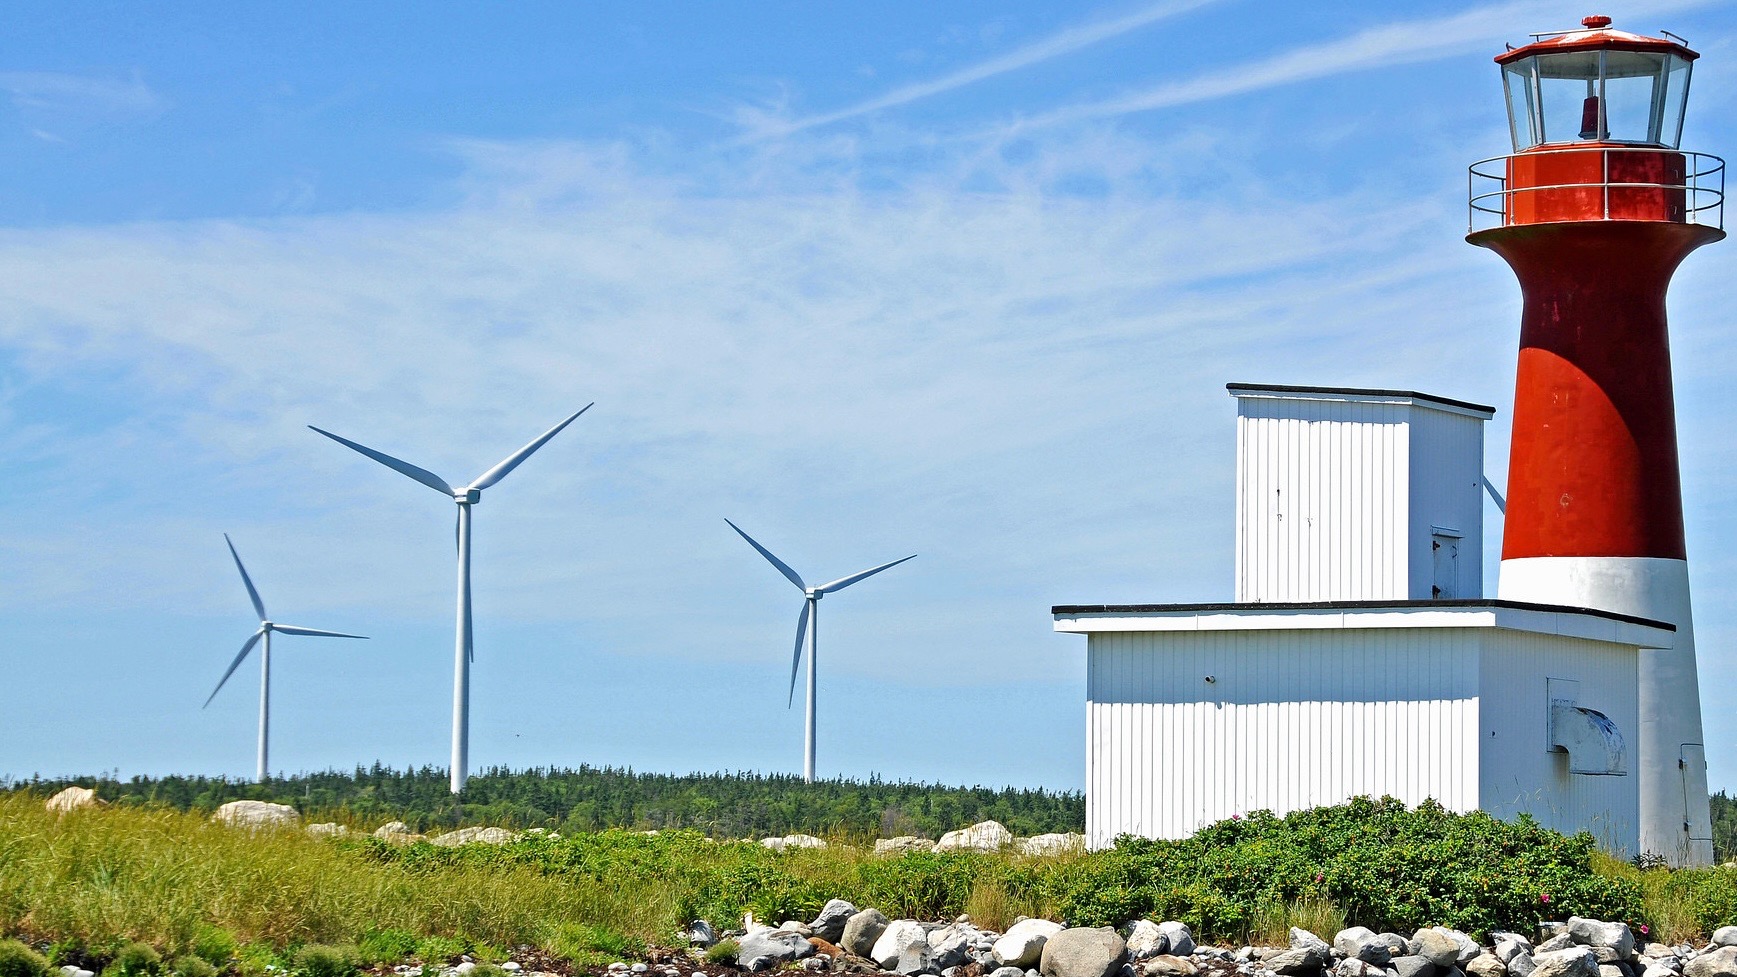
(1491, 201)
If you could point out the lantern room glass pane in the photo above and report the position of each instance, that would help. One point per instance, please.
(1676, 93)
(1634, 88)
(1568, 96)
(1522, 114)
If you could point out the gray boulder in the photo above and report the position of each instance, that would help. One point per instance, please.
(899, 934)
(1521, 965)
(1145, 939)
(950, 946)
(1357, 968)
(1486, 965)
(1347, 941)
(1007, 972)
(254, 814)
(701, 934)
(72, 799)
(902, 844)
(1510, 945)
(766, 949)
(1719, 962)
(1166, 965)
(1658, 968)
(1302, 939)
(474, 836)
(1723, 936)
(1022, 944)
(863, 930)
(1558, 941)
(1296, 962)
(913, 958)
(1409, 965)
(1181, 938)
(1437, 947)
(1084, 952)
(1573, 962)
(829, 925)
(982, 836)
(1595, 932)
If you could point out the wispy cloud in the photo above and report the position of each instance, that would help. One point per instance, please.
(56, 92)
(1385, 46)
(765, 125)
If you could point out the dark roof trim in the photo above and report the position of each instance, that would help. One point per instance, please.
(1359, 392)
(1352, 605)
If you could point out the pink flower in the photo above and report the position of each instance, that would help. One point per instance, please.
(1236, 817)
(1545, 897)
(1318, 878)
(1644, 930)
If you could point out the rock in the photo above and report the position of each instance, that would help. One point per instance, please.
(1083, 952)
(1181, 938)
(1469, 948)
(829, 925)
(391, 828)
(862, 930)
(793, 841)
(1606, 954)
(1436, 946)
(329, 829)
(511, 967)
(1409, 965)
(894, 938)
(950, 946)
(1299, 961)
(1166, 965)
(701, 934)
(1349, 943)
(1723, 936)
(765, 949)
(902, 844)
(1007, 972)
(1510, 945)
(1302, 939)
(1575, 961)
(474, 836)
(1594, 932)
(913, 958)
(465, 967)
(1022, 944)
(1658, 969)
(73, 799)
(1357, 968)
(799, 928)
(1663, 951)
(1613, 970)
(1486, 965)
(982, 836)
(1521, 965)
(1145, 939)
(254, 814)
(1560, 941)
(1720, 962)
(1395, 944)
(1051, 844)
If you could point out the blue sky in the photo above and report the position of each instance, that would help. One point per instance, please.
(962, 279)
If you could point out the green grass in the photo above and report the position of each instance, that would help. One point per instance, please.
(93, 882)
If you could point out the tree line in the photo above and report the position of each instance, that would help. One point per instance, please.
(723, 805)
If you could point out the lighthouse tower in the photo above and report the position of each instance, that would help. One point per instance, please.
(1593, 211)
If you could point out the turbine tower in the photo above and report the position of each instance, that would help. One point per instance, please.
(466, 496)
(808, 631)
(266, 627)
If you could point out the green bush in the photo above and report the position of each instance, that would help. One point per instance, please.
(192, 965)
(317, 960)
(135, 960)
(18, 960)
(723, 952)
(587, 946)
(439, 949)
(386, 946)
(215, 946)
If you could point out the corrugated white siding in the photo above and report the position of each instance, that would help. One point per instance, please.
(1322, 500)
(1294, 719)
(1518, 774)
(1447, 490)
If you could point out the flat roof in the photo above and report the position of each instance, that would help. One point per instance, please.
(1244, 389)
(1577, 622)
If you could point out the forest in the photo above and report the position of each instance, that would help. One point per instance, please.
(722, 805)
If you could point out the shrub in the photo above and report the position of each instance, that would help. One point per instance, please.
(215, 946)
(386, 947)
(191, 965)
(585, 945)
(257, 959)
(135, 960)
(723, 952)
(317, 960)
(439, 949)
(18, 960)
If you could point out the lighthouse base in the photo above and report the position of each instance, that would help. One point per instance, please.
(1670, 756)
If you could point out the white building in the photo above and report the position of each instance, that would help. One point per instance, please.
(1359, 657)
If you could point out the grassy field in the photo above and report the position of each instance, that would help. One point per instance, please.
(87, 884)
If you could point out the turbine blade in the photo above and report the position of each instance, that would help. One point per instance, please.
(422, 475)
(501, 470)
(313, 632)
(793, 576)
(235, 664)
(252, 594)
(796, 661)
(844, 582)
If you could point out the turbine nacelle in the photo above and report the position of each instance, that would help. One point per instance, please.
(467, 496)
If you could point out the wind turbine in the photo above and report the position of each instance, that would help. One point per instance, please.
(266, 627)
(808, 632)
(466, 496)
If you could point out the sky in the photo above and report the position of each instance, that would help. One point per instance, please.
(964, 280)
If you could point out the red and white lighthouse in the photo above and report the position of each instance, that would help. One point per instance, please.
(1594, 210)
